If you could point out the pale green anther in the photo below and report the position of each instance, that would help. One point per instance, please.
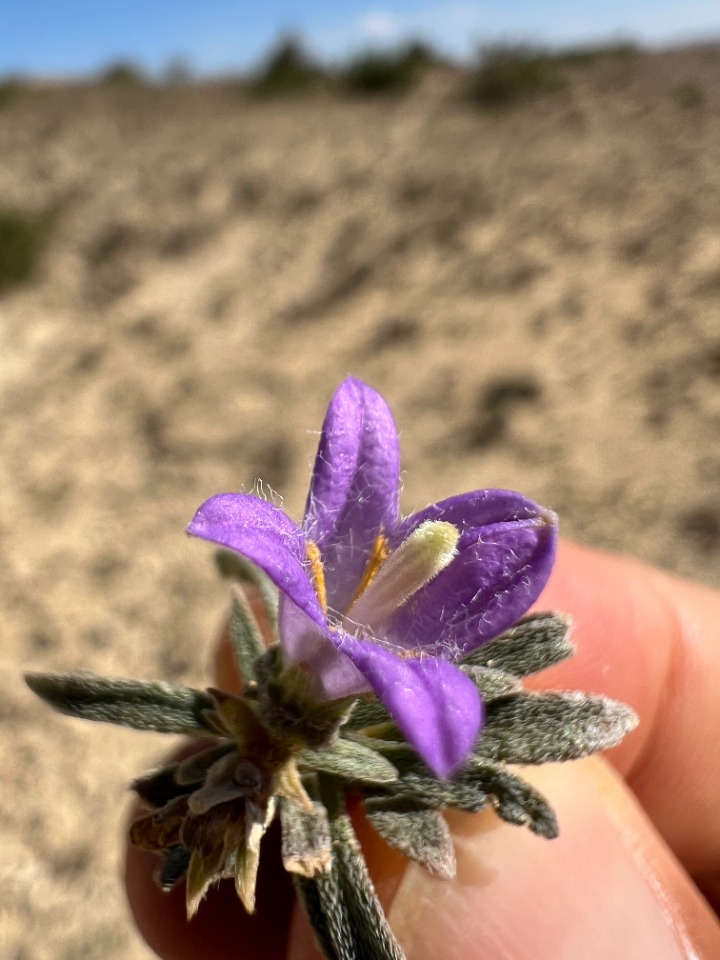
(426, 552)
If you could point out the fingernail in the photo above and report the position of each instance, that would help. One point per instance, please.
(607, 887)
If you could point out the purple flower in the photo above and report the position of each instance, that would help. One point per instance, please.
(373, 602)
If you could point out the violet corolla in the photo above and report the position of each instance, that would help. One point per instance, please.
(372, 601)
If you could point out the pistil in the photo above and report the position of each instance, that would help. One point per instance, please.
(418, 559)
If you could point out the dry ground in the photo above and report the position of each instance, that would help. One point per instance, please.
(536, 291)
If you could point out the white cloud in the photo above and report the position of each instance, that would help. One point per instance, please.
(459, 28)
(380, 25)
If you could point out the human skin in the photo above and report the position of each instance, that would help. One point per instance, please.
(635, 873)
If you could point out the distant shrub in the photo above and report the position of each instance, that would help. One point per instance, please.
(688, 96)
(9, 91)
(178, 72)
(22, 240)
(508, 75)
(288, 68)
(586, 56)
(121, 74)
(378, 72)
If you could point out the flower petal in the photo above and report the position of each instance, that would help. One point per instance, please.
(467, 511)
(354, 489)
(499, 571)
(303, 642)
(436, 706)
(266, 535)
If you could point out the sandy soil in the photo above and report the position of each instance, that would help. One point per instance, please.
(536, 292)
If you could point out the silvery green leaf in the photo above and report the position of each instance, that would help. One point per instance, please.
(515, 800)
(536, 642)
(542, 727)
(233, 566)
(420, 834)
(399, 751)
(324, 906)
(306, 847)
(144, 705)
(350, 761)
(491, 683)
(367, 713)
(373, 937)
(420, 787)
(245, 636)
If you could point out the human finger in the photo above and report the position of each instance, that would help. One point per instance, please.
(651, 640)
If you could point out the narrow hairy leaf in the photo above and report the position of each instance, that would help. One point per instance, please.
(324, 903)
(536, 642)
(140, 704)
(491, 683)
(367, 713)
(375, 939)
(420, 834)
(233, 566)
(350, 761)
(306, 845)
(543, 727)
(423, 789)
(331, 927)
(245, 636)
(515, 800)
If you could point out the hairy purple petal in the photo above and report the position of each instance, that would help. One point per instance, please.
(266, 535)
(497, 575)
(468, 511)
(304, 642)
(354, 488)
(436, 706)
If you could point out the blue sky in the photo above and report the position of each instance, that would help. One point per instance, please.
(53, 38)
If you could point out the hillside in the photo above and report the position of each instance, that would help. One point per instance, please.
(535, 289)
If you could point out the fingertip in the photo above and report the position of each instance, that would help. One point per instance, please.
(606, 887)
(651, 640)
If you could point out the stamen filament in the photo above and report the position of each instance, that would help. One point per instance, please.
(378, 555)
(317, 572)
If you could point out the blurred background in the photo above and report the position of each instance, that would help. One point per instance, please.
(507, 220)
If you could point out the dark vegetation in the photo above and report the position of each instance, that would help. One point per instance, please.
(22, 241)
(9, 91)
(502, 76)
(123, 73)
(287, 69)
(507, 75)
(390, 71)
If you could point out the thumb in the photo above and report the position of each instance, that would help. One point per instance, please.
(607, 887)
